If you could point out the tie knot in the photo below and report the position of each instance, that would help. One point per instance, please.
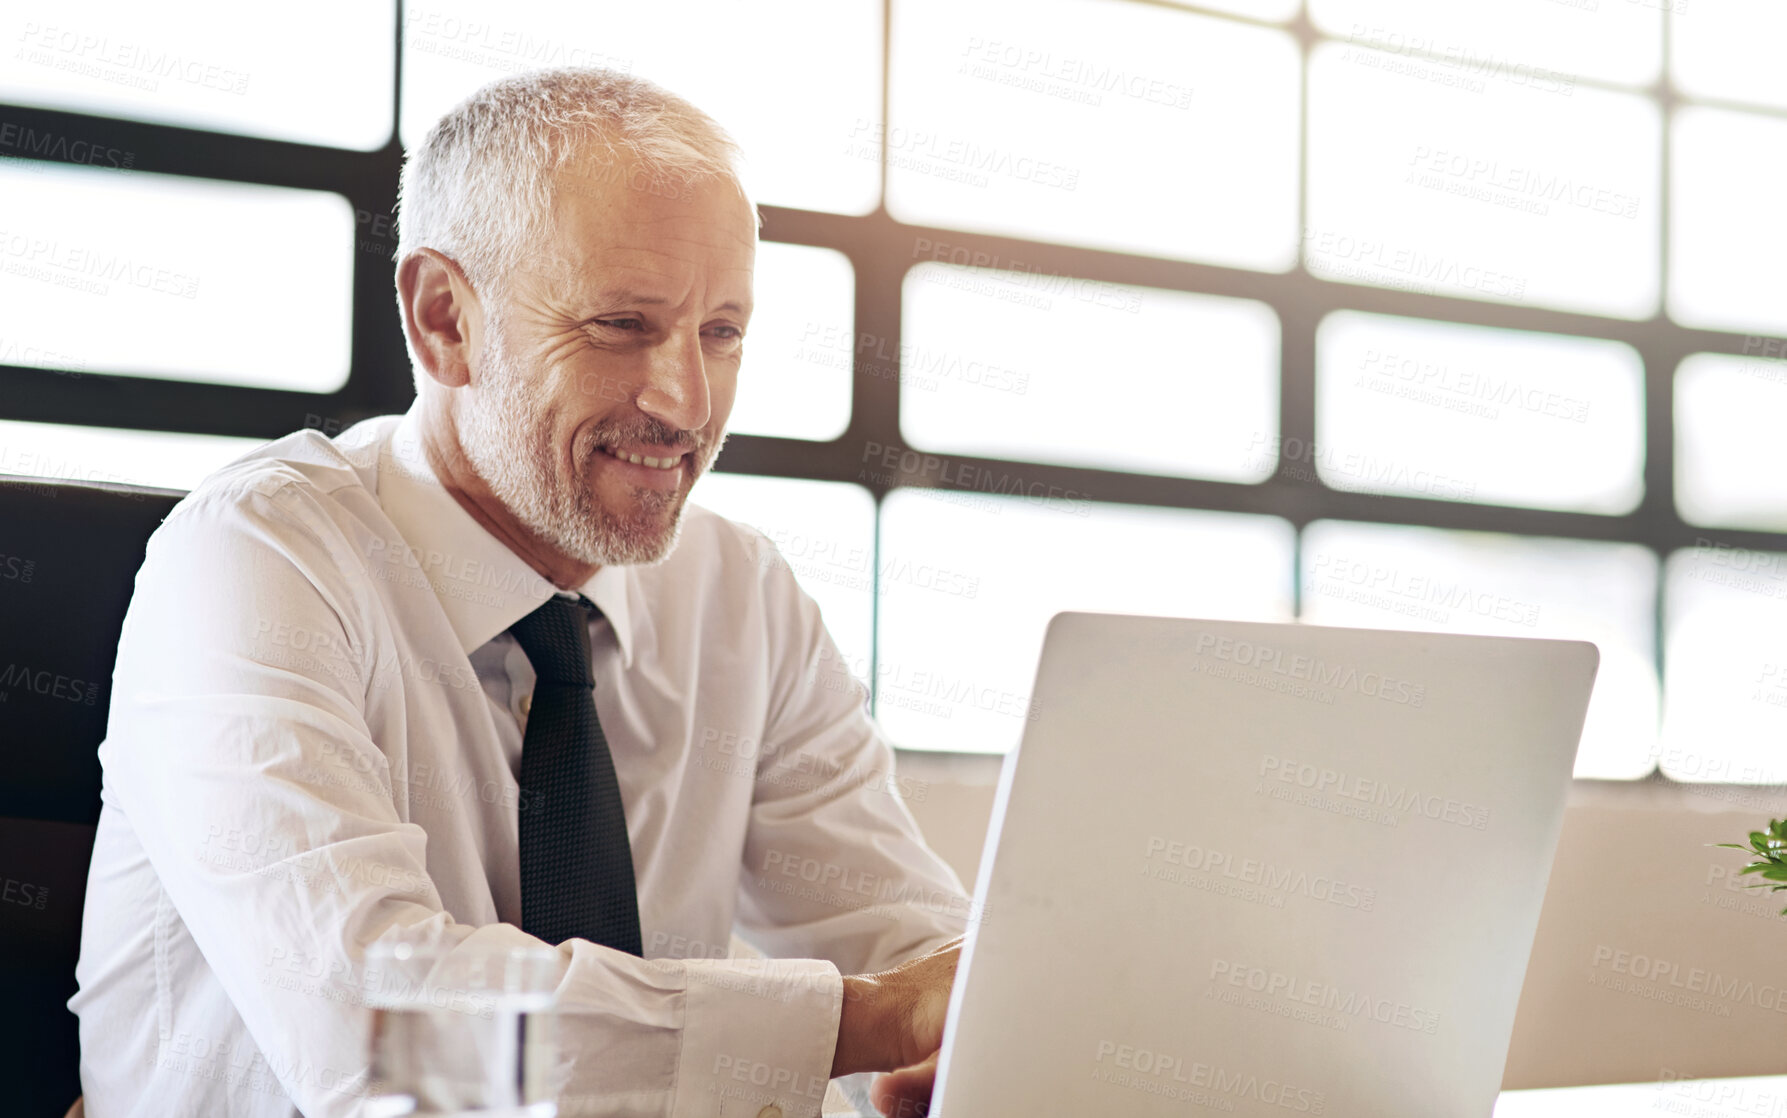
(556, 639)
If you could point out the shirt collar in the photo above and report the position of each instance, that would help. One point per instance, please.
(483, 587)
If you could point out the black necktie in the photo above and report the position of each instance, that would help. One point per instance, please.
(576, 863)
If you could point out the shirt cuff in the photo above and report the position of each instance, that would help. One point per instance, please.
(758, 1038)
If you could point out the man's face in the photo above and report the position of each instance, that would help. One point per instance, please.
(609, 362)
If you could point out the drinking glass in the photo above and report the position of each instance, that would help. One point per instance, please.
(462, 1033)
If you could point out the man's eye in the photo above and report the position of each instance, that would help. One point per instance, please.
(621, 323)
(730, 333)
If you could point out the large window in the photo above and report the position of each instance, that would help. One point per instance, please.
(1462, 316)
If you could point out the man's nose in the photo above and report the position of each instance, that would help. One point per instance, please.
(675, 391)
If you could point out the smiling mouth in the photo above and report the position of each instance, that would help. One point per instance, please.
(646, 460)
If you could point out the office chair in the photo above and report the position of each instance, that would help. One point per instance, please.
(69, 553)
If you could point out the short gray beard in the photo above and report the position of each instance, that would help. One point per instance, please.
(506, 435)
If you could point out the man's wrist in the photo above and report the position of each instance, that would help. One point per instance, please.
(860, 1031)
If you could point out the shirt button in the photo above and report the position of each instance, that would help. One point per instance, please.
(770, 1112)
(526, 704)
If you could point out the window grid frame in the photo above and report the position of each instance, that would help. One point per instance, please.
(881, 250)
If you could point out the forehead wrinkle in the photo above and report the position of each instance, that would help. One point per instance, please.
(622, 237)
(689, 246)
(608, 222)
(687, 242)
(620, 291)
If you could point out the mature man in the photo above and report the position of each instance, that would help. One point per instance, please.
(353, 697)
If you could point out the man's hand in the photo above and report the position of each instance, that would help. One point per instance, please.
(905, 1093)
(893, 1021)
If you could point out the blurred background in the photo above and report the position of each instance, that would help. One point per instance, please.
(1465, 316)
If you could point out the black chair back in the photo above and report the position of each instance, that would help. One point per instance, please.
(69, 553)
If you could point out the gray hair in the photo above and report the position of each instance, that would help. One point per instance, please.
(480, 186)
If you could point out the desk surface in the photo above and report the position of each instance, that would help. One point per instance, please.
(1702, 1098)
(1759, 1097)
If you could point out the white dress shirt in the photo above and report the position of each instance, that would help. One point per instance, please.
(315, 735)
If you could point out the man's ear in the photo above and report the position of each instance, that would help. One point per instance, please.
(441, 315)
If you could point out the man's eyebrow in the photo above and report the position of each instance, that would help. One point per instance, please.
(623, 297)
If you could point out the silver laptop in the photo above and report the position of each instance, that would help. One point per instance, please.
(1264, 870)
